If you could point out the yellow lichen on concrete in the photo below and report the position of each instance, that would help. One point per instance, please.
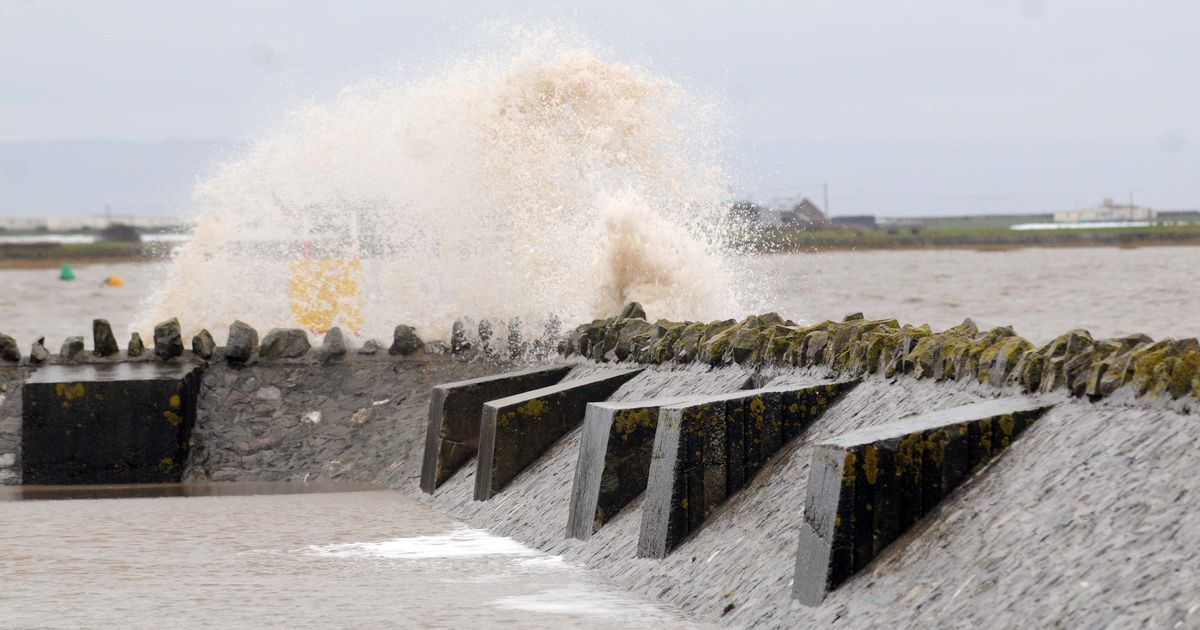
(934, 446)
(533, 408)
(985, 438)
(908, 456)
(1007, 424)
(871, 464)
(627, 421)
(757, 409)
(848, 474)
(69, 391)
(1183, 372)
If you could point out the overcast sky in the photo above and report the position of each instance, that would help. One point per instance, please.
(901, 106)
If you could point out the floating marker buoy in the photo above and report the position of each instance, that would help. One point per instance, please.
(114, 281)
(67, 273)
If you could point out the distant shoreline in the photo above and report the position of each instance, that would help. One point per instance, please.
(992, 239)
(50, 255)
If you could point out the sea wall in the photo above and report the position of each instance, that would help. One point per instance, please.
(362, 419)
(12, 379)
(1083, 520)
(328, 412)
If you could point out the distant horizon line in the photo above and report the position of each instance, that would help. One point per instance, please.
(750, 140)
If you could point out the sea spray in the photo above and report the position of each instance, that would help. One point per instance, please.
(545, 180)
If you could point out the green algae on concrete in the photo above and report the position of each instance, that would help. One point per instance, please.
(614, 461)
(707, 450)
(868, 487)
(515, 431)
(452, 433)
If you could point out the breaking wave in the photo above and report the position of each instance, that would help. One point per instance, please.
(542, 180)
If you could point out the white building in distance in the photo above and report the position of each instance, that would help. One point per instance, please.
(1108, 212)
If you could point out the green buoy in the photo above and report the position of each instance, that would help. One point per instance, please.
(67, 273)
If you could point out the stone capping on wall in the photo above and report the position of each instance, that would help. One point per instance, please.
(279, 345)
(1165, 369)
(869, 486)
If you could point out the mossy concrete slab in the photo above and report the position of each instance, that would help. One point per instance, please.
(614, 461)
(452, 433)
(706, 451)
(107, 423)
(516, 430)
(867, 487)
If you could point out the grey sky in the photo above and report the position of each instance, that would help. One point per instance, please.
(903, 107)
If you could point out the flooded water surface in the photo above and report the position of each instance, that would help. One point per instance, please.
(287, 559)
(1040, 292)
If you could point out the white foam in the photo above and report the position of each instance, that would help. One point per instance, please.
(541, 179)
(455, 544)
(552, 563)
(580, 600)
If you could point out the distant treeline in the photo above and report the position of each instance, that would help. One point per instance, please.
(767, 241)
(49, 254)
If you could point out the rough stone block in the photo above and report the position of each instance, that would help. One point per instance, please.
(168, 339)
(8, 349)
(115, 423)
(405, 341)
(242, 342)
(103, 342)
(452, 435)
(334, 347)
(72, 348)
(136, 347)
(515, 431)
(38, 354)
(284, 343)
(707, 450)
(203, 345)
(866, 488)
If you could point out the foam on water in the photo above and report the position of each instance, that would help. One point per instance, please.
(455, 544)
(543, 179)
(573, 600)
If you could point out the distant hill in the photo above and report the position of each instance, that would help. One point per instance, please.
(80, 177)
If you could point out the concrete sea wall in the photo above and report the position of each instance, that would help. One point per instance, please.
(324, 413)
(1079, 498)
(1079, 518)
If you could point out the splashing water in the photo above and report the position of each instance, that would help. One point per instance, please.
(541, 181)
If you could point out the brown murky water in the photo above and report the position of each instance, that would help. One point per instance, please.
(1042, 292)
(285, 559)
